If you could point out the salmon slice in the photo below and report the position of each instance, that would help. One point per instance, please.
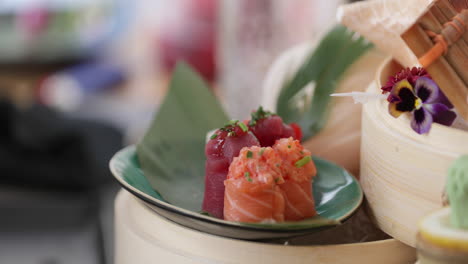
(251, 193)
(263, 203)
(299, 203)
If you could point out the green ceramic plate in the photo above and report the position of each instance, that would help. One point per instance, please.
(337, 196)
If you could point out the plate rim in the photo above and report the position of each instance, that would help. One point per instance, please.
(188, 213)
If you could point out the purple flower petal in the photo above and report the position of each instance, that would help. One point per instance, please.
(421, 121)
(393, 98)
(427, 90)
(444, 100)
(441, 113)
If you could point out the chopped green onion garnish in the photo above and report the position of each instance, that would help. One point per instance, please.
(261, 151)
(277, 179)
(289, 146)
(302, 161)
(214, 136)
(247, 176)
(233, 122)
(206, 213)
(249, 154)
(259, 114)
(243, 127)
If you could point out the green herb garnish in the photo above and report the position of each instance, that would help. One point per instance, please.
(206, 213)
(214, 136)
(230, 126)
(289, 146)
(247, 176)
(277, 179)
(302, 161)
(261, 151)
(232, 122)
(243, 127)
(249, 154)
(259, 114)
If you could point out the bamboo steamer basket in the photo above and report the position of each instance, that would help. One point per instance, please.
(403, 173)
(142, 236)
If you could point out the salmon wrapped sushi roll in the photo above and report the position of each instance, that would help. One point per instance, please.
(298, 171)
(252, 193)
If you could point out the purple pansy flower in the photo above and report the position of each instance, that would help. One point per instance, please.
(424, 101)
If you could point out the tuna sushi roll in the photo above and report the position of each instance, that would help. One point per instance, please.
(269, 127)
(224, 145)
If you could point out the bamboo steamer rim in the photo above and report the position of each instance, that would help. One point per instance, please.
(141, 233)
(235, 241)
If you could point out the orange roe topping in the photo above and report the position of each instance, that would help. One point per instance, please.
(295, 160)
(257, 165)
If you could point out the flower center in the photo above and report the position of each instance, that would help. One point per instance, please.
(418, 103)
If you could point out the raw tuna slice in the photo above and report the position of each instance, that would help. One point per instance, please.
(268, 128)
(220, 150)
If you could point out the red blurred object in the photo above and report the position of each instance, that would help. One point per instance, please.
(297, 131)
(192, 38)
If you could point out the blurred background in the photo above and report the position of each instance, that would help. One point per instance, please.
(80, 79)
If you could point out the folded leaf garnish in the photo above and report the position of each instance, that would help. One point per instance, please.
(323, 69)
(173, 148)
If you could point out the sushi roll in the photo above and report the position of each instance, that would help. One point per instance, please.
(252, 193)
(223, 146)
(269, 127)
(287, 197)
(298, 172)
(270, 184)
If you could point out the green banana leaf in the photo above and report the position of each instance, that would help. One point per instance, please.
(173, 146)
(324, 68)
